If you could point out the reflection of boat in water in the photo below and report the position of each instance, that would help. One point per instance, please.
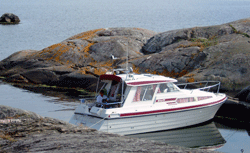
(203, 136)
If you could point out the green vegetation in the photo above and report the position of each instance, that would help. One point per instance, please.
(201, 42)
(246, 35)
(205, 42)
(238, 32)
(234, 30)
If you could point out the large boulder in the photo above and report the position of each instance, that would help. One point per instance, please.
(244, 94)
(163, 41)
(226, 62)
(9, 18)
(78, 60)
(202, 53)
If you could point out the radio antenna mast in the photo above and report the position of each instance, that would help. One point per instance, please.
(127, 58)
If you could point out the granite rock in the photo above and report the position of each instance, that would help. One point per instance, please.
(9, 18)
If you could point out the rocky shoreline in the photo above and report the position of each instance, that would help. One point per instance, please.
(219, 52)
(24, 131)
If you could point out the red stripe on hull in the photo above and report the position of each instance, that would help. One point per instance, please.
(169, 110)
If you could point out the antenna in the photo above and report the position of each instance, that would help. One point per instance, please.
(112, 61)
(127, 58)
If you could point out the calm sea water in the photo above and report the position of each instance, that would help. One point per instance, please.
(46, 22)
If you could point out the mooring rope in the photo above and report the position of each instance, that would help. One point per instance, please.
(230, 135)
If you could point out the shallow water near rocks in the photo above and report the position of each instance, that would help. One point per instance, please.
(61, 105)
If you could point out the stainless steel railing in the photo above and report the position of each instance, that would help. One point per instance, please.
(201, 85)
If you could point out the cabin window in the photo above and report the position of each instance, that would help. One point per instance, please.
(167, 87)
(185, 100)
(144, 93)
(203, 98)
(115, 91)
(126, 91)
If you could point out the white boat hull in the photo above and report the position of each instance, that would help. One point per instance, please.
(148, 123)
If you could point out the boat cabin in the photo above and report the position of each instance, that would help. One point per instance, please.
(124, 89)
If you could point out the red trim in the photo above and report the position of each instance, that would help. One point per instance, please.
(147, 82)
(110, 77)
(169, 110)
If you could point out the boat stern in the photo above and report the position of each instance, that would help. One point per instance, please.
(82, 109)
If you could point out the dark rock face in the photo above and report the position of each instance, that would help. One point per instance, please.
(75, 79)
(235, 114)
(24, 131)
(9, 18)
(244, 94)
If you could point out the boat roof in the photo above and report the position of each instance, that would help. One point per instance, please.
(138, 79)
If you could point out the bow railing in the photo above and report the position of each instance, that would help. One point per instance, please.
(209, 86)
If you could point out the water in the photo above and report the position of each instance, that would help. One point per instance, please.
(237, 139)
(55, 106)
(46, 22)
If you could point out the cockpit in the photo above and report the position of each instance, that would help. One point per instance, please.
(112, 87)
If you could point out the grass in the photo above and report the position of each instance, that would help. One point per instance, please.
(246, 35)
(201, 42)
(238, 32)
(205, 42)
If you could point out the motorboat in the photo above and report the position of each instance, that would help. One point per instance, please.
(140, 103)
